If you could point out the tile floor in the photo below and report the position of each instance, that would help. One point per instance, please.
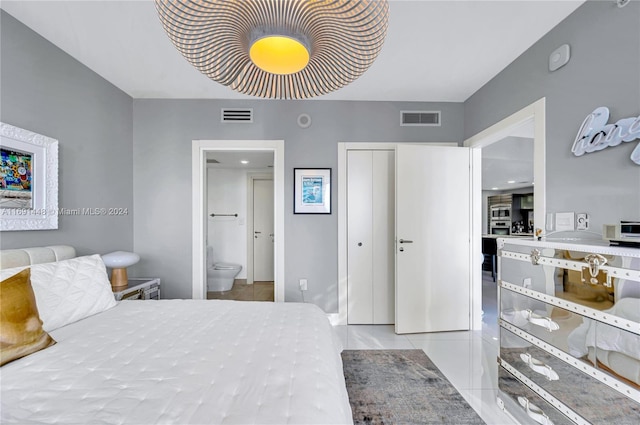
(467, 359)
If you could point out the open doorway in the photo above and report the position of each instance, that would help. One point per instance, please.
(522, 133)
(201, 150)
(240, 225)
(507, 203)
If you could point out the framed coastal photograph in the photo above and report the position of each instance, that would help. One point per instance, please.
(312, 191)
(28, 180)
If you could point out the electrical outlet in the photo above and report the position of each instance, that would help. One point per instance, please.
(582, 221)
(303, 284)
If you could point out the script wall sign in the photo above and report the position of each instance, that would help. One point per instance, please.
(595, 134)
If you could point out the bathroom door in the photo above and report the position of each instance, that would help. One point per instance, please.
(263, 236)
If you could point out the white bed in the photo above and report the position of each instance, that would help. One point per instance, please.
(183, 362)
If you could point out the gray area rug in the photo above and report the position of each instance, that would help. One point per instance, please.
(402, 387)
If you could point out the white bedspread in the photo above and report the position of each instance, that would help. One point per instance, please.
(183, 362)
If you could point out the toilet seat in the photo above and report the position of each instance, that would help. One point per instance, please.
(226, 266)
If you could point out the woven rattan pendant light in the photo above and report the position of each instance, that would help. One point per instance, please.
(278, 49)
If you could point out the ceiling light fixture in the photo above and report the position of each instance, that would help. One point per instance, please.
(244, 161)
(278, 49)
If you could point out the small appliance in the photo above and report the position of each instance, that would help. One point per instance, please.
(500, 212)
(500, 227)
(627, 233)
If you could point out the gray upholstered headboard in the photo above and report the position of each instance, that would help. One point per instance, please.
(42, 254)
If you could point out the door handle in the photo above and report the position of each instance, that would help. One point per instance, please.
(257, 232)
(405, 241)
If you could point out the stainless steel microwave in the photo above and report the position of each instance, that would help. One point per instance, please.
(500, 212)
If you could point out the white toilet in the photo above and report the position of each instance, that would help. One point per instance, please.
(220, 276)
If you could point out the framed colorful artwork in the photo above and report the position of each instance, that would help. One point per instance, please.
(28, 180)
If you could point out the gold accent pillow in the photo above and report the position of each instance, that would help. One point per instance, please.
(21, 330)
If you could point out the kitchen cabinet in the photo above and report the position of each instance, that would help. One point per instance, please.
(523, 202)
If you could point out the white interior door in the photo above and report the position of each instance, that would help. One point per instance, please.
(433, 234)
(263, 235)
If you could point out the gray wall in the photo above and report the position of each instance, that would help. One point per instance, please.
(604, 70)
(162, 138)
(46, 91)
(114, 150)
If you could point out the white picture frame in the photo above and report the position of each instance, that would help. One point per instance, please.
(312, 191)
(35, 206)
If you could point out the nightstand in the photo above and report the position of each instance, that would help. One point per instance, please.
(140, 288)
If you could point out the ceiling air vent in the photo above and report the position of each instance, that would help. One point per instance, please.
(420, 118)
(237, 115)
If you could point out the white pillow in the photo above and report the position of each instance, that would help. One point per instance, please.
(70, 290)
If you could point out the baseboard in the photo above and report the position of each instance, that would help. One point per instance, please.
(240, 281)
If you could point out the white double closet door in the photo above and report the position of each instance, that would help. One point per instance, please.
(409, 238)
(370, 246)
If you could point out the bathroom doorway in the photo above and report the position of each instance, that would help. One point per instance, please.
(224, 219)
(240, 225)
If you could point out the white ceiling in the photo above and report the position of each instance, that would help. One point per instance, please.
(434, 51)
(231, 159)
(509, 160)
(505, 161)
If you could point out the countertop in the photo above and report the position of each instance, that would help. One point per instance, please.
(513, 235)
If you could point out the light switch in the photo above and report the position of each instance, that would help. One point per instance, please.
(565, 222)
